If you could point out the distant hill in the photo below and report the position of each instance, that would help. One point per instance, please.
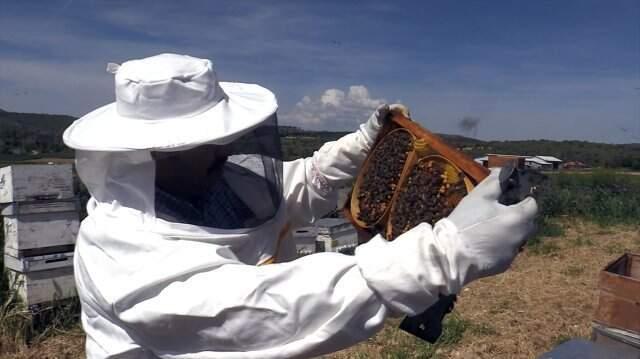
(26, 135)
(33, 135)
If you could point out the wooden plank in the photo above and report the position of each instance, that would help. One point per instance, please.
(634, 266)
(617, 312)
(464, 162)
(621, 286)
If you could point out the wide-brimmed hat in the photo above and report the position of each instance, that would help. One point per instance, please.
(169, 102)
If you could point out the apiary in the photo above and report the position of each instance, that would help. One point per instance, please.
(19, 183)
(32, 226)
(409, 177)
(40, 217)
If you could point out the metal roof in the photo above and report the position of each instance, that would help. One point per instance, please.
(549, 158)
(537, 160)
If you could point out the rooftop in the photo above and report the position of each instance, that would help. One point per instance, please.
(549, 158)
(537, 160)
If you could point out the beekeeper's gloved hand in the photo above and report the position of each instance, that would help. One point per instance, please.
(489, 234)
(380, 116)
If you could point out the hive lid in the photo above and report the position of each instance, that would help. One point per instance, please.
(16, 208)
(331, 225)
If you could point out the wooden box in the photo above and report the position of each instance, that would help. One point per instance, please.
(35, 182)
(44, 286)
(29, 226)
(619, 301)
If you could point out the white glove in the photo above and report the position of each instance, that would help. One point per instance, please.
(480, 238)
(489, 234)
(380, 116)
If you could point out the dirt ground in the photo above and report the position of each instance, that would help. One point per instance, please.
(548, 296)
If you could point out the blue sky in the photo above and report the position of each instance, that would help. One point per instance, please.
(526, 69)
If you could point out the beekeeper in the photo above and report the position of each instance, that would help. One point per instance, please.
(186, 251)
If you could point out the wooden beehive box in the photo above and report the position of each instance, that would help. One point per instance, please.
(35, 182)
(619, 300)
(39, 262)
(424, 146)
(44, 286)
(36, 226)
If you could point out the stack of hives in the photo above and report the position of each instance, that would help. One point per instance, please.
(40, 220)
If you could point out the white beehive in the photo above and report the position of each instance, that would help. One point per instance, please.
(44, 286)
(305, 239)
(338, 235)
(35, 182)
(39, 262)
(34, 225)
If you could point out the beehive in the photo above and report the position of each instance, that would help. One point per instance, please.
(44, 224)
(619, 300)
(337, 235)
(305, 240)
(19, 183)
(44, 286)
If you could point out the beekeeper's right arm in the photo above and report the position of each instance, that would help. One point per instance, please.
(328, 301)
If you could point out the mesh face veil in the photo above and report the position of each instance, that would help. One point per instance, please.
(230, 186)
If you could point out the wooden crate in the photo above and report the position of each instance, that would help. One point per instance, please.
(44, 286)
(619, 301)
(37, 225)
(35, 182)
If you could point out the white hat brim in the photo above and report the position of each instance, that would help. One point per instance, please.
(246, 106)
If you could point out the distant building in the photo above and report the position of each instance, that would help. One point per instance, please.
(574, 165)
(544, 163)
(556, 162)
(482, 160)
(537, 163)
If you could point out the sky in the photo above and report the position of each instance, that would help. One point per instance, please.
(519, 69)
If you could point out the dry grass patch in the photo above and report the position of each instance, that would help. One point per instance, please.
(547, 297)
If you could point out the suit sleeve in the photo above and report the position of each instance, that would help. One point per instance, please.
(311, 184)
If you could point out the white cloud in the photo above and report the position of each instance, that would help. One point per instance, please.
(332, 97)
(335, 109)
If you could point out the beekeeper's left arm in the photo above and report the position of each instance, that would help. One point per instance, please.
(311, 184)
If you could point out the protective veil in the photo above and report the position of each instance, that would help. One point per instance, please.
(161, 272)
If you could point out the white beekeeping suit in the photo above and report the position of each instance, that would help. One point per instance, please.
(172, 266)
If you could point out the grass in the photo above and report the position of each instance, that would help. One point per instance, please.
(455, 328)
(573, 271)
(603, 197)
